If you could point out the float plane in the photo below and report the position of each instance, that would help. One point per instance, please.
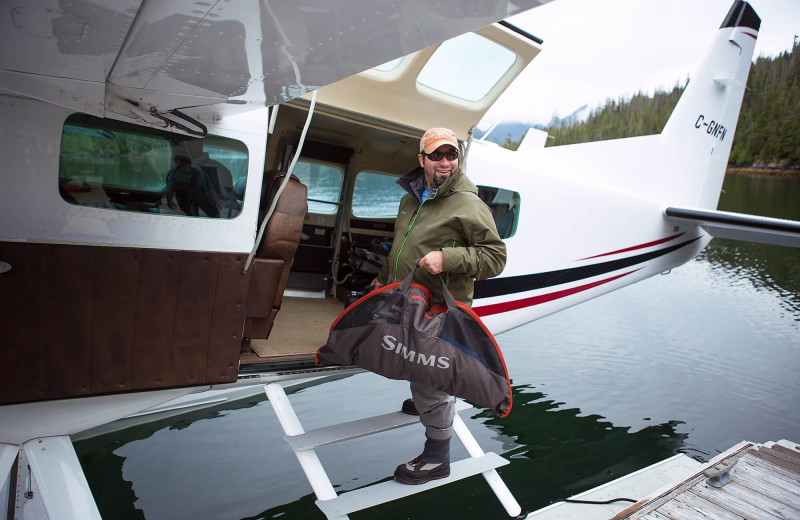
(192, 189)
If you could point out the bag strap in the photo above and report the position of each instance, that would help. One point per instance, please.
(407, 280)
(448, 297)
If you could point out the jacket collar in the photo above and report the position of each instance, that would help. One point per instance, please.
(414, 183)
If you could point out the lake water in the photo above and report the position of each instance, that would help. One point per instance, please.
(690, 362)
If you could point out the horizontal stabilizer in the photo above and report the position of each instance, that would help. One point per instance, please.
(738, 226)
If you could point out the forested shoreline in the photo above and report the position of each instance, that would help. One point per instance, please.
(767, 135)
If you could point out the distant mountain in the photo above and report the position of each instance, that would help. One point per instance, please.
(504, 131)
(513, 131)
(579, 116)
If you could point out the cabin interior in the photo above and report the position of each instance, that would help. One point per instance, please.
(349, 170)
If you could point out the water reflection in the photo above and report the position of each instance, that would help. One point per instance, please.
(561, 451)
(103, 460)
(767, 267)
(556, 451)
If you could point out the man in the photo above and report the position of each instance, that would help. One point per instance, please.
(219, 174)
(192, 188)
(442, 223)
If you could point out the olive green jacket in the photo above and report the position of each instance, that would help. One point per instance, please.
(453, 220)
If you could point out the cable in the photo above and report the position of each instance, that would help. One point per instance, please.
(283, 185)
(597, 502)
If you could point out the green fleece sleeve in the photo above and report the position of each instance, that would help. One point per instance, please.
(484, 255)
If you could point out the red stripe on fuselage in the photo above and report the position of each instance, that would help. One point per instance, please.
(497, 308)
(640, 246)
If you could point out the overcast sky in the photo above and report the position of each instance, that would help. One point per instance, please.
(599, 49)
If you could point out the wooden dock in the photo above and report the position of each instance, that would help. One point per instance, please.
(749, 481)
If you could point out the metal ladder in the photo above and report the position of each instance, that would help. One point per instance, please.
(339, 506)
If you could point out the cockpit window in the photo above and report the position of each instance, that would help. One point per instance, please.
(119, 166)
(324, 182)
(376, 195)
(466, 67)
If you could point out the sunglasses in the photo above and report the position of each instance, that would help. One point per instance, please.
(452, 155)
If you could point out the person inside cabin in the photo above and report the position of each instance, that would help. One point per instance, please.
(442, 223)
(220, 175)
(192, 188)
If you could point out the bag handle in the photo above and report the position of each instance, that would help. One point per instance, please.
(448, 297)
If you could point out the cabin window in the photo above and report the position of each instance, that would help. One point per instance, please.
(470, 79)
(114, 165)
(324, 182)
(376, 195)
(504, 205)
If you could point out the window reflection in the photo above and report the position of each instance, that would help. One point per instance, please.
(504, 205)
(376, 195)
(118, 166)
(324, 183)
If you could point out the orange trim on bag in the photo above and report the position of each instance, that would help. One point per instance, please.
(363, 298)
(499, 353)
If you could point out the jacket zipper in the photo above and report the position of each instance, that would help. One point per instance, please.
(411, 225)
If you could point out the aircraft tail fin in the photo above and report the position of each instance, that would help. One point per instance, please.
(696, 141)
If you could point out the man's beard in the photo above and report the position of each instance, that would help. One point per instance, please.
(438, 180)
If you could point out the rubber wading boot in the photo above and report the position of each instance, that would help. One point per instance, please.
(432, 464)
(419, 472)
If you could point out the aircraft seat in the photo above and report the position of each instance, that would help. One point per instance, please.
(275, 253)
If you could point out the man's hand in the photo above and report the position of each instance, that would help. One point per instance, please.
(376, 284)
(433, 262)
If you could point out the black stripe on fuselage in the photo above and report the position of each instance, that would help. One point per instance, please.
(530, 282)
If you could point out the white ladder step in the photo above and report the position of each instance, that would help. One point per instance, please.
(354, 429)
(376, 494)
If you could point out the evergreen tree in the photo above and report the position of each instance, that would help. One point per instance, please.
(767, 134)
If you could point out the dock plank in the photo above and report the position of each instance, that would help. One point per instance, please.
(778, 459)
(769, 486)
(678, 510)
(792, 454)
(741, 500)
(698, 507)
(774, 471)
(764, 485)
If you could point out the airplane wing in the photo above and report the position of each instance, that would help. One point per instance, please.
(738, 226)
(88, 54)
